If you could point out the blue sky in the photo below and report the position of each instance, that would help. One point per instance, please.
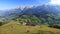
(33, 2)
(8, 4)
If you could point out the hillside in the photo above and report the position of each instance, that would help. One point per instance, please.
(17, 28)
(44, 19)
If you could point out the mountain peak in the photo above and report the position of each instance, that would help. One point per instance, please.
(22, 7)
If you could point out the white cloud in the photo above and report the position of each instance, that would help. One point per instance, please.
(55, 2)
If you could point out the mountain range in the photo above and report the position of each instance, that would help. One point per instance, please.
(48, 12)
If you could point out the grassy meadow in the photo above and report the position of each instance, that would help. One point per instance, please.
(17, 28)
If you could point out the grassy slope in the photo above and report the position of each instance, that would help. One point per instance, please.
(16, 28)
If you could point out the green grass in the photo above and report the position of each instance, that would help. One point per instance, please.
(17, 28)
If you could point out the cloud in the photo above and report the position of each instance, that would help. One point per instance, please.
(55, 2)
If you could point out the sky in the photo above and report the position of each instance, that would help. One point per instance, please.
(10, 4)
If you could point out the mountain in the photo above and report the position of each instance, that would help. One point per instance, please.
(45, 13)
(33, 10)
